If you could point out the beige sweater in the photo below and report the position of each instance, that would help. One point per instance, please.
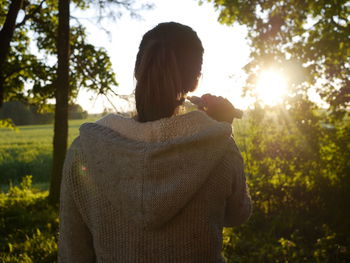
(151, 192)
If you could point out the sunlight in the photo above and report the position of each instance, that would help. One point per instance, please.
(271, 87)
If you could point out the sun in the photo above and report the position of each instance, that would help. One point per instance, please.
(271, 87)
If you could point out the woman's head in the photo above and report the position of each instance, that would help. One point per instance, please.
(167, 67)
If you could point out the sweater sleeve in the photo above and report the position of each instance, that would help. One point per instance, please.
(75, 239)
(238, 204)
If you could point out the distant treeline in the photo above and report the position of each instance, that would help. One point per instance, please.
(22, 113)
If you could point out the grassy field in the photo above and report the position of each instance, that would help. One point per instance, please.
(28, 151)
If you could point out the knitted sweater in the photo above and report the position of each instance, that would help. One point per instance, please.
(158, 191)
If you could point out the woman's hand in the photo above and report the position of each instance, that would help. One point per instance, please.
(218, 108)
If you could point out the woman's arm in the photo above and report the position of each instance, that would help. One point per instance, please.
(238, 205)
(75, 240)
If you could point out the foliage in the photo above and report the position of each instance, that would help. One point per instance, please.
(297, 165)
(297, 154)
(7, 123)
(308, 40)
(76, 112)
(24, 114)
(36, 68)
(28, 225)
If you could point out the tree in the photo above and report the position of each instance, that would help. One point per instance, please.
(309, 40)
(62, 96)
(30, 75)
(23, 67)
(90, 67)
(296, 157)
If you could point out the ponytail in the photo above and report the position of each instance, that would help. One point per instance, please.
(167, 67)
(158, 89)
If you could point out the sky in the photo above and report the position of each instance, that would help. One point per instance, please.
(226, 49)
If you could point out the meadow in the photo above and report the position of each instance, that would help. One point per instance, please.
(27, 150)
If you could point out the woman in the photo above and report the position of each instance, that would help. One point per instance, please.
(159, 187)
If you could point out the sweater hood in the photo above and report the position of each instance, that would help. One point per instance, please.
(151, 180)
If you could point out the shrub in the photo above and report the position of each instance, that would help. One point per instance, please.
(298, 172)
(28, 226)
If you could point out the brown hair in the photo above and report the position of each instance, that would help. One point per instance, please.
(167, 67)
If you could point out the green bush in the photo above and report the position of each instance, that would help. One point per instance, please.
(28, 226)
(23, 113)
(298, 171)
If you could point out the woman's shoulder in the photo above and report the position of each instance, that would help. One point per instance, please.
(111, 117)
(192, 123)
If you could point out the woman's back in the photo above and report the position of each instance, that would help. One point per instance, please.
(162, 199)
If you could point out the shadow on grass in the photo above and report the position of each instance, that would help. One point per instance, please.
(18, 164)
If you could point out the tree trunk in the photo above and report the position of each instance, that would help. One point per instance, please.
(61, 94)
(6, 34)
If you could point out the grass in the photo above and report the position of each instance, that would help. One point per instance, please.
(28, 151)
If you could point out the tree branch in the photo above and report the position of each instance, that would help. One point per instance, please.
(31, 15)
(6, 34)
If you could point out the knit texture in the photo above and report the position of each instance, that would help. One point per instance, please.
(151, 192)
